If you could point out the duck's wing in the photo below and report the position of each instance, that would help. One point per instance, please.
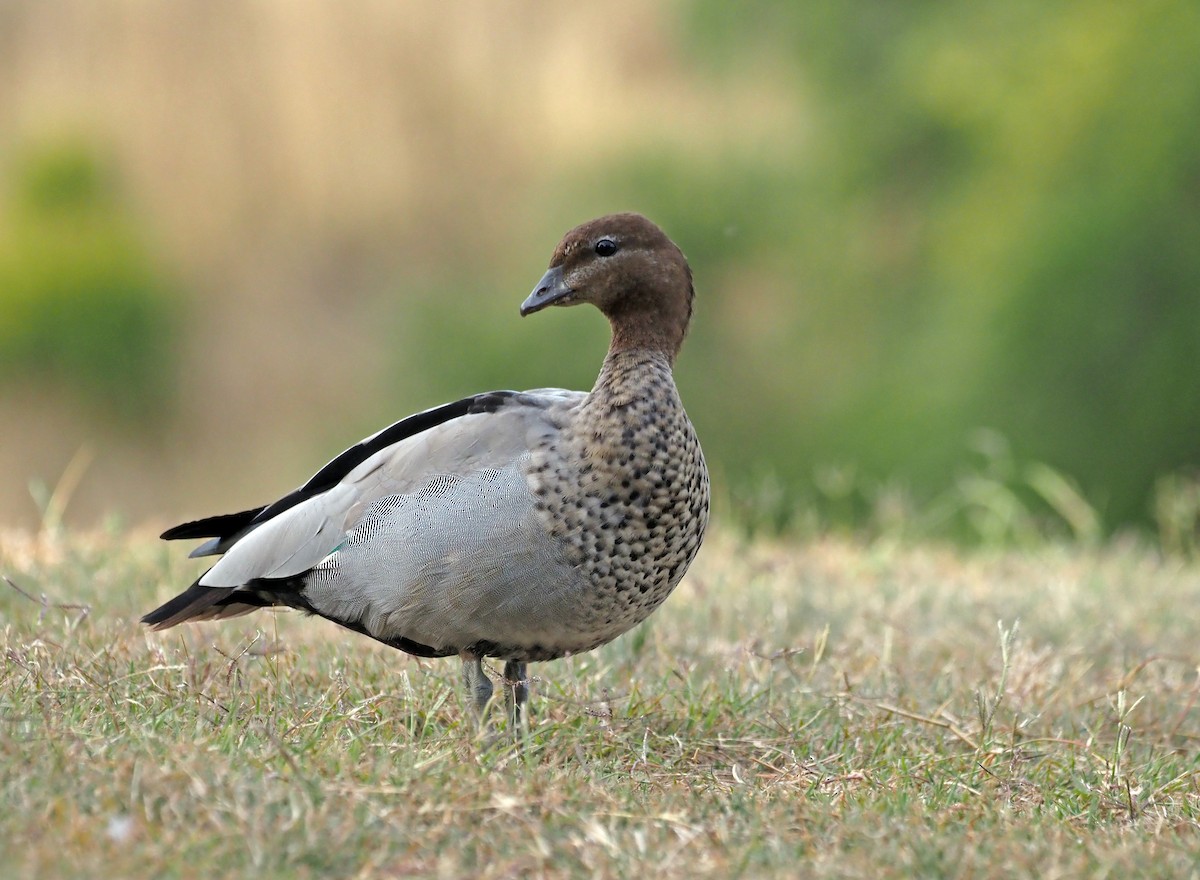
(295, 533)
(226, 529)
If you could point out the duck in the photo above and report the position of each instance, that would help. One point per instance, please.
(521, 526)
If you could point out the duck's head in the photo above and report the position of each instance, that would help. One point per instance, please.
(626, 267)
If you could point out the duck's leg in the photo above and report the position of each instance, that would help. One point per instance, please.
(479, 686)
(516, 692)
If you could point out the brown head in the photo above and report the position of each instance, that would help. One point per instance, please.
(626, 267)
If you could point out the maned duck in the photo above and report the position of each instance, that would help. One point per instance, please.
(523, 526)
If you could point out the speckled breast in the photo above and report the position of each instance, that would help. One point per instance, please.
(626, 494)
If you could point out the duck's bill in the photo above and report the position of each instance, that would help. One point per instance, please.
(551, 289)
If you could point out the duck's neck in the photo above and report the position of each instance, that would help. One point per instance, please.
(631, 374)
(634, 330)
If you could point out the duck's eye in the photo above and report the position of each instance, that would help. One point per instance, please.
(606, 247)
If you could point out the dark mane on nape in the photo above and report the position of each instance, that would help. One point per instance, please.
(691, 294)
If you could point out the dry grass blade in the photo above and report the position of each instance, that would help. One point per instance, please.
(794, 710)
(47, 603)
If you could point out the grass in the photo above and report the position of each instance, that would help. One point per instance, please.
(831, 709)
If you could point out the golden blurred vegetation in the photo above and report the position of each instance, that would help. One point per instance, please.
(948, 257)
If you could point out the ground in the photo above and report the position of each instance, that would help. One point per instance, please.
(820, 708)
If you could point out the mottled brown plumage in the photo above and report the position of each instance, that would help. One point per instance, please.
(523, 526)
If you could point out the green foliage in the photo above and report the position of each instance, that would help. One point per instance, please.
(992, 225)
(1177, 513)
(454, 353)
(994, 500)
(81, 303)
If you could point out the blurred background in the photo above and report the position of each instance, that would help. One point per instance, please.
(947, 254)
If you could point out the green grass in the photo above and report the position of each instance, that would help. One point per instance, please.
(827, 709)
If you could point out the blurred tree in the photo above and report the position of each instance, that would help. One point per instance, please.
(995, 221)
(82, 305)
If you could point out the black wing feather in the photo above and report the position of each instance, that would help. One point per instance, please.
(229, 527)
(221, 526)
(194, 603)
